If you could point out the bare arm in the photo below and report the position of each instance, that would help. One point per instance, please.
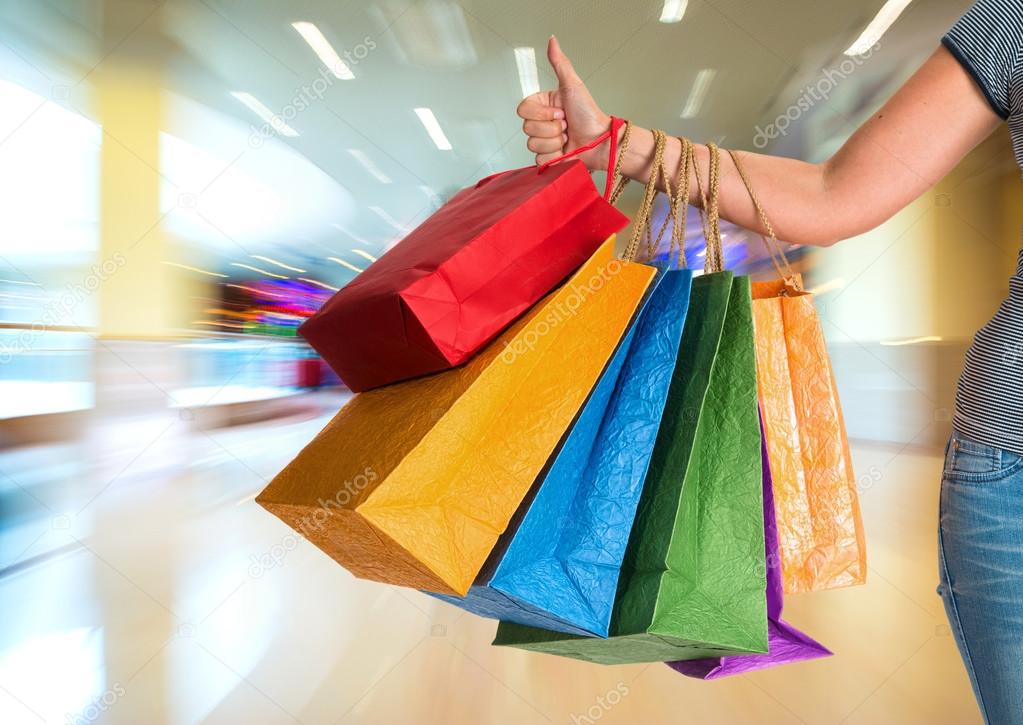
(919, 135)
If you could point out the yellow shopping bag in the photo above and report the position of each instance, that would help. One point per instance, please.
(412, 484)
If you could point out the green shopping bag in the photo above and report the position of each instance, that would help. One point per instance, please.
(693, 581)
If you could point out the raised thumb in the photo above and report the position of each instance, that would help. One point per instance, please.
(561, 64)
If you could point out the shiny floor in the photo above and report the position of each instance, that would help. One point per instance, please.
(140, 583)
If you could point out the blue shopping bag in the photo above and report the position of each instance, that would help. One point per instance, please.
(557, 565)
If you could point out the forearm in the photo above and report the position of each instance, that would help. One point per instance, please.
(903, 150)
(788, 188)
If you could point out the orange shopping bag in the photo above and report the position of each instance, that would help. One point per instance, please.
(820, 529)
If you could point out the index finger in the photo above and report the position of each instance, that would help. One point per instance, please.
(537, 108)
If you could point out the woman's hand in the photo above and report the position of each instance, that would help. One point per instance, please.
(557, 122)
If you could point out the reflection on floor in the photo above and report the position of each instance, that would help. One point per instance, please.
(139, 583)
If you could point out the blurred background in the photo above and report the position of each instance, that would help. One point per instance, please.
(183, 182)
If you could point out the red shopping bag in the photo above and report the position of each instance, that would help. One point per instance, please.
(485, 257)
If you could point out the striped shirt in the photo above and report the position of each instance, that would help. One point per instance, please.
(988, 42)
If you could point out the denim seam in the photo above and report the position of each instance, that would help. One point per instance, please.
(958, 624)
(989, 477)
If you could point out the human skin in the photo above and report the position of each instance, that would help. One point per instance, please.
(916, 138)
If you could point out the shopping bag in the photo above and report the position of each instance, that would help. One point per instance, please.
(692, 583)
(785, 643)
(459, 278)
(412, 484)
(820, 528)
(559, 565)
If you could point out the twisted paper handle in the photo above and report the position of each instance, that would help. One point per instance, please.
(714, 261)
(771, 244)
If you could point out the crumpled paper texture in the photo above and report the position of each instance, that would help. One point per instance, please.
(412, 484)
(464, 274)
(786, 644)
(560, 568)
(819, 524)
(693, 582)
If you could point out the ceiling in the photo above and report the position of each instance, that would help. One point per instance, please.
(361, 168)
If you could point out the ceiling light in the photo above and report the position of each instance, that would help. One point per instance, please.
(194, 269)
(257, 107)
(346, 230)
(282, 265)
(699, 91)
(887, 15)
(370, 166)
(257, 269)
(364, 255)
(432, 195)
(255, 291)
(433, 128)
(673, 10)
(213, 323)
(322, 47)
(829, 286)
(911, 341)
(343, 263)
(319, 284)
(525, 59)
(389, 219)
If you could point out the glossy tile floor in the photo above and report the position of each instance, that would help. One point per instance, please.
(141, 584)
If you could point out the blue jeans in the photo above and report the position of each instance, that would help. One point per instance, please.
(980, 548)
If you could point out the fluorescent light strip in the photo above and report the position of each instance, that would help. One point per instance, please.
(194, 269)
(364, 255)
(673, 11)
(525, 59)
(432, 195)
(318, 284)
(343, 263)
(884, 19)
(257, 269)
(370, 166)
(322, 47)
(911, 341)
(699, 91)
(255, 291)
(433, 128)
(389, 219)
(829, 286)
(282, 265)
(345, 230)
(256, 106)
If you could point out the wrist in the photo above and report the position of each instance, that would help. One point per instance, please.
(598, 158)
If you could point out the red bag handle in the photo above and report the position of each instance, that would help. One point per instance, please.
(611, 133)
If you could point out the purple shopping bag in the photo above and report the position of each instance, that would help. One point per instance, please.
(785, 643)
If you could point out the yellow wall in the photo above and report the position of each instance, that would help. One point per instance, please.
(143, 298)
(940, 267)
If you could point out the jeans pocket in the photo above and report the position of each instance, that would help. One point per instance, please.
(971, 461)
